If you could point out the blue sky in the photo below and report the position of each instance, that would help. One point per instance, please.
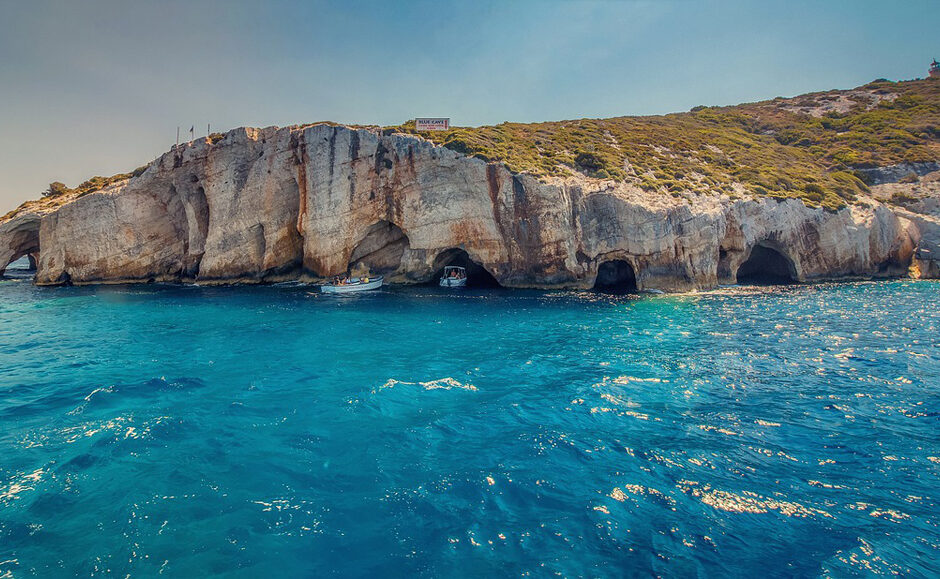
(99, 87)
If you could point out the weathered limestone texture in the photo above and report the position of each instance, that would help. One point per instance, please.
(277, 204)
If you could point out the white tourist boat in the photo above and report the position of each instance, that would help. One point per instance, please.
(355, 284)
(454, 277)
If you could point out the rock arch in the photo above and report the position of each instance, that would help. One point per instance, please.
(477, 275)
(19, 237)
(381, 250)
(766, 265)
(616, 276)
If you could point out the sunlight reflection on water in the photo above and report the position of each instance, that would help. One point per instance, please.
(231, 431)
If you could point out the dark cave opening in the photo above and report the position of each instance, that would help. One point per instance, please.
(615, 277)
(477, 275)
(766, 266)
(893, 267)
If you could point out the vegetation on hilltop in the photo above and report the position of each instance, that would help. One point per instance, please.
(58, 192)
(807, 148)
(97, 182)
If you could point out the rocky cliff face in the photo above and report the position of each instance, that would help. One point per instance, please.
(264, 205)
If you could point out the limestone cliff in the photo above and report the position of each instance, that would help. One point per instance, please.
(273, 204)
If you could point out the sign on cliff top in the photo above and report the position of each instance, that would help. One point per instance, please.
(436, 124)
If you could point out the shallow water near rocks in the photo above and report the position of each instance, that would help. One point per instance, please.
(238, 432)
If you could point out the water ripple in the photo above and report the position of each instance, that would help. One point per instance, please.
(189, 431)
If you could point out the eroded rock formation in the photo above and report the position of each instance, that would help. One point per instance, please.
(19, 237)
(274, 204)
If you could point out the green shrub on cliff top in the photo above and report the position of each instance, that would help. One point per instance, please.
(769, 147)
(772, 148)
(58, 192)
(56, 188)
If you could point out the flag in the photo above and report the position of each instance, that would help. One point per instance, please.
(192, 128)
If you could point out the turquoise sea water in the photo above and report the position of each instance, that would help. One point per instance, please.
(273, 431)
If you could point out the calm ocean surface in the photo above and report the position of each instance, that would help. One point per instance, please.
(273, 431)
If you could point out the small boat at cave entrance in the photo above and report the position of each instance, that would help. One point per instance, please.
(454, 276)
(355, 284)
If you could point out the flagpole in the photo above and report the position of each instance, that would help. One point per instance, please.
(177, 136)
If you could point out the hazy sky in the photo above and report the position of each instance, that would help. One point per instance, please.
(99, 87)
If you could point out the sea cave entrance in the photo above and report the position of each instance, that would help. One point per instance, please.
(615, 277)
(20, 267)
(19, 249)
(477, 275)
(766, 266)
(894, 267)
(381, 250)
